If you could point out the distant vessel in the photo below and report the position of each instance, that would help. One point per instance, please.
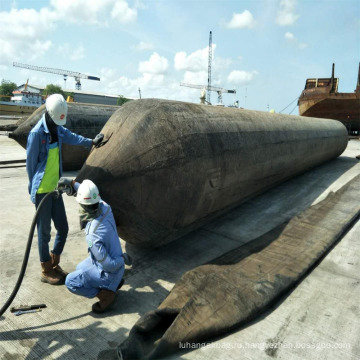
(22, 102)
(321, 99)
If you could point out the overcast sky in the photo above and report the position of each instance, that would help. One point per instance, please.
(265, 49)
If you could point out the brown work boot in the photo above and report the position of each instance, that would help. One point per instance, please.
(49, 275)
(107, 298)
(55, 263)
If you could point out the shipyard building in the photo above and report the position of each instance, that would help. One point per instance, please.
(78, 95)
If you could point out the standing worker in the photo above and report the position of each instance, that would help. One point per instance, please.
(100, 274)
(44, 168)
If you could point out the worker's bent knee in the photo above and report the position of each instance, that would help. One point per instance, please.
(74, 281)
(75, 284)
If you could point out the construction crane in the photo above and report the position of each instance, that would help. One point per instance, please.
(65, 73)
(219, 91)
(209, 68)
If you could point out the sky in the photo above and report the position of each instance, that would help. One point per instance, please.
(265, 49)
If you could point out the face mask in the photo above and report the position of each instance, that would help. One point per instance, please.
(87, 214)
(52, 127)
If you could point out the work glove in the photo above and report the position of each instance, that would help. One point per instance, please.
(66, 185)
(98, 139)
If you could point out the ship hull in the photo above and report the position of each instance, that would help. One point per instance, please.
(339, 106)
(8, 109)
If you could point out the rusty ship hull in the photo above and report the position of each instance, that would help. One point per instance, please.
(321, 99)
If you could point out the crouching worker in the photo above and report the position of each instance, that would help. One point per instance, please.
(101, 273)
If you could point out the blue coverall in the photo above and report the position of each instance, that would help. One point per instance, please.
(37, 150)
(104, 268)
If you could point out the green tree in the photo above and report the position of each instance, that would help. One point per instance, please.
(53, 89)
(6, 88)
(122, 100)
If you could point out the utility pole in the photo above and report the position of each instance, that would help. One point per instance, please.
(209, 68)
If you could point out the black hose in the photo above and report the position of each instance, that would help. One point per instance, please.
(27, 252)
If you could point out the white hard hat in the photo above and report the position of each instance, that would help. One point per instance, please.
(87, 193)
(57, 108)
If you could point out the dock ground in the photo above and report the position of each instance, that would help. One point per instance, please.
(319, 319)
